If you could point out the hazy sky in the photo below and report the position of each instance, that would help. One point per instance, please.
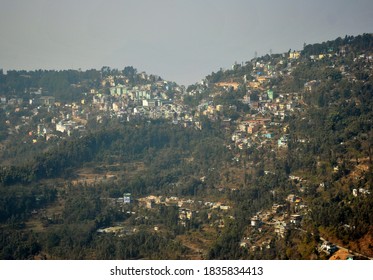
(180, 40)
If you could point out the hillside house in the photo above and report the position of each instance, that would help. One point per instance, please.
(281, 228)
(295, 219)
(294, 55)
(47, 100)
(282, 142)
(277, 208)
(255, 221)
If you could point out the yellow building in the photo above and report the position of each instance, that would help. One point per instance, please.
(261, 79)
(254, 84)
(294, 55)
(219, 108)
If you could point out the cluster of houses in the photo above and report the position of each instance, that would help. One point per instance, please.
(269, 108)
(258, 132)
(265, 98)
(154, 100)
(360, 192)
(150, 100)
(276, 221)
(187, 207)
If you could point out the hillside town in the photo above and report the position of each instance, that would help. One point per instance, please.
(259, 106)
(35, 115)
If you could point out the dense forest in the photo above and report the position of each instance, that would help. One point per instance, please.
(164, 149)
